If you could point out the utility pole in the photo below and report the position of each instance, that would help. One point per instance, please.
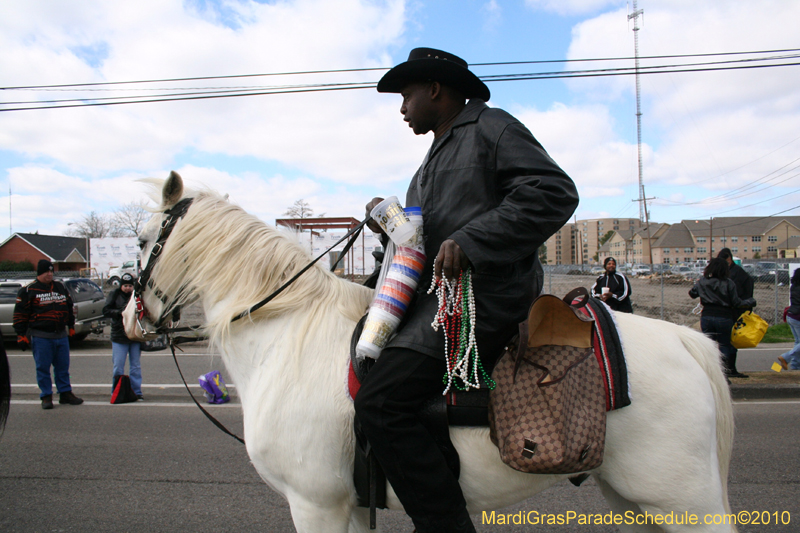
(710, 238)
(647, 225)
(635, 16)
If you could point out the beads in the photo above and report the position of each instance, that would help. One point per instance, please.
(456, 316)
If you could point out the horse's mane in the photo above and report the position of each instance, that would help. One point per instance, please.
(235, 260)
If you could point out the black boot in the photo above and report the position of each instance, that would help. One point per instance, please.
(68, 397)
(47, 402)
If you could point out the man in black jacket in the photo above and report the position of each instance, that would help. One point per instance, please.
(744, 290)
(42, 320)
(490, 196)
(613, 288)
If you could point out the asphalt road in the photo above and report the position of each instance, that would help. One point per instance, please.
(159, 465)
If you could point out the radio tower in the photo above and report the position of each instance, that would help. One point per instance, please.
(642, 198)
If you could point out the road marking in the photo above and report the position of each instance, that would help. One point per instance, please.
(107, 386)
(108, 354)
(144, 403)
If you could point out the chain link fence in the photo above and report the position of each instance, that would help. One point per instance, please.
(659, 292)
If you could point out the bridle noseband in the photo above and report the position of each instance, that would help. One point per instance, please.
(173, 215)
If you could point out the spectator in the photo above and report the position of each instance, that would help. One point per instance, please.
(618, 295)
(42, 320)
(121, 346)
(744, 289)
(791, 359)
(721, 307)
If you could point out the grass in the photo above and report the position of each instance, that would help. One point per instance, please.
(778, 333)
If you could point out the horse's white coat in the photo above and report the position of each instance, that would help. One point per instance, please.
(668, 451)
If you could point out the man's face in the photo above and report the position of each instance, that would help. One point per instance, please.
(611, 266)
(417, 108)
(47, 277)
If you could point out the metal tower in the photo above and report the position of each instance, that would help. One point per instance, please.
(642, 201)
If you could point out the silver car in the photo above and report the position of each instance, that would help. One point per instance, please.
(87, 298)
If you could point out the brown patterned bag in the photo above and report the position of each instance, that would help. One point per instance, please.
(547, 413)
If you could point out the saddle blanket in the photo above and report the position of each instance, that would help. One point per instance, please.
(608, 350)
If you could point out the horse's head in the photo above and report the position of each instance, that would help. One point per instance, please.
(148, 307)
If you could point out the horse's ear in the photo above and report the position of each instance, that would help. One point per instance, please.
(173, 190)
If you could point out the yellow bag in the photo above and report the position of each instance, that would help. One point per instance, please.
(748, 331)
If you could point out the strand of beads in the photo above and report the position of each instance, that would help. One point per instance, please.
(456, 315)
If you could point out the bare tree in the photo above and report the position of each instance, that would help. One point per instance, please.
(300, 209)
(128, 220)
(92, 226)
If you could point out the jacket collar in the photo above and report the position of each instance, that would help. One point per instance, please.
(469, 114)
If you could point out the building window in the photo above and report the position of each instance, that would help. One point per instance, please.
(772, 238)
(756, 248)
(701, 239)
(756, 238)
(735, 239)
(701, 249)
(772, 248)
(735, 249)
(745, 249)
(688, 251)
(666, 250)
(744, 239)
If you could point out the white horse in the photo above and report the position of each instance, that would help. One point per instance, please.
(669, 451)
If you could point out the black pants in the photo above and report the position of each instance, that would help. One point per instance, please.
(386, 406)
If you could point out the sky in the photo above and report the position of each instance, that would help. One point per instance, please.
(714, 143)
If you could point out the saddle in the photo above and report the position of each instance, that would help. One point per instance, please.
(546, 325)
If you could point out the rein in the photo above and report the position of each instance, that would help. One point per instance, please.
(174, 214)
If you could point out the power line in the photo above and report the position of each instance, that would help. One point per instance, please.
(372, 69)
(368, 85)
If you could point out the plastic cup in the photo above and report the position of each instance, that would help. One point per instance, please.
(378, 328)
(605, 290)
(391, 217)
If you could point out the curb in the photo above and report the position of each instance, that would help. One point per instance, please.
(765, 392)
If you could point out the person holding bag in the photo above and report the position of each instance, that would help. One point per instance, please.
(122, 347)
(721, 308)
(791, 359)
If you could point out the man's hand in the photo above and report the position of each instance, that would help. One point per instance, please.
(374, 226)
(71, 332)
(23, 342)
(605, 297)
(450, 260)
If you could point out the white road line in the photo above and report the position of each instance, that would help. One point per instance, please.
(108, 354)
(108, 385)
(137, 405)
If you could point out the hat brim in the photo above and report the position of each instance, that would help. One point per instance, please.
(447, 73)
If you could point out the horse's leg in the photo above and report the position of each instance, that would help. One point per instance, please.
(311, 517)
(623, 507)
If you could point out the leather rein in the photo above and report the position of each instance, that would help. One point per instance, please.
(144, 280)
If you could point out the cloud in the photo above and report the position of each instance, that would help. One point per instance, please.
(342, 136)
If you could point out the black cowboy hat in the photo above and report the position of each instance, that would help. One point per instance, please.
(431, 64)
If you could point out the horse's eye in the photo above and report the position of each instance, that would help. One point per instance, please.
(142, 244)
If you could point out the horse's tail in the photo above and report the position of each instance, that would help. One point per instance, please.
(706, 353)
(5, 388)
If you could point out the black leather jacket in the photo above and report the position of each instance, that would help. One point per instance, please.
(719, 297)
(115, 305)
(489, 185)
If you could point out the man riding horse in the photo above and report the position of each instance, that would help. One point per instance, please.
(490, 196)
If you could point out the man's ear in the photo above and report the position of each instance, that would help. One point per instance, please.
(435, 90)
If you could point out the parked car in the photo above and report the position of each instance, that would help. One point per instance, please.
(87, 298)
(641, 270)
(681, 270)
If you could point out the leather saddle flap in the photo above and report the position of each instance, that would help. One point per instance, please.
(553, 322)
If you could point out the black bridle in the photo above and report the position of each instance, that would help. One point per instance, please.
(173, 215)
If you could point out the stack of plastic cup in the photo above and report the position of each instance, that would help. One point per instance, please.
(392, 299)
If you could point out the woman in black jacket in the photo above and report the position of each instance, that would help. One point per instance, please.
(791, 359)
(121, 346)
(721, 303)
